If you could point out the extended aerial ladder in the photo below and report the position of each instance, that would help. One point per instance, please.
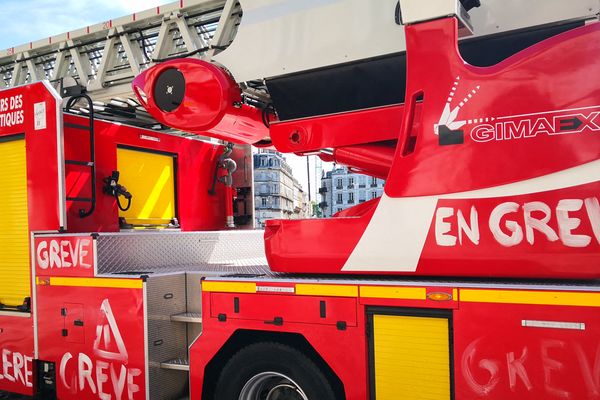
(104, 57)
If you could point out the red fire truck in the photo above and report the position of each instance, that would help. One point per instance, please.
(473, 277)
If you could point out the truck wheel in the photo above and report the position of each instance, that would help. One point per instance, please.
(272, 371)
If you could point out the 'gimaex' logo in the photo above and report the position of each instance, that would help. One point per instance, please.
(451, 130)
(448, 128)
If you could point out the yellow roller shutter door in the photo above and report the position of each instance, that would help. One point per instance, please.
(411, 358)
(150, 178)
(14, 230)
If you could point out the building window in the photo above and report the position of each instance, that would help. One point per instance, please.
(339, 209)
(340, 200)
(350, 197)
(373, 195)
(373, 181)
(264, 201)
(350, 183)
(339, 183)
(362, 196)
(362, 181)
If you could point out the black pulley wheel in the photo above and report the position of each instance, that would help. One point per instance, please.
(169, 89)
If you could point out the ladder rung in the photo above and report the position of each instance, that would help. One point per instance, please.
(77, 126)
(75, 162)
(81, 199)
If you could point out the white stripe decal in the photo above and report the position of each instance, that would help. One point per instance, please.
(395, 237)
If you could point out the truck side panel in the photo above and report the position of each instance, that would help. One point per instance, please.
(527, 351)
(16, 352)
(348, 365)
(194, 165)
(488, 342)
(92, 329)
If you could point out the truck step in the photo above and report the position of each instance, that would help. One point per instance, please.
(191, 317)
(179, 364)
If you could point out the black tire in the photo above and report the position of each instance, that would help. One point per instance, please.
(263, 358)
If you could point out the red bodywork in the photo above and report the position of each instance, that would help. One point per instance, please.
(454, 205)
(16, 360)
(496, 358)
(495, 172)
(64, 256)
(211, 105)
(95, 335)
(493, 355)
(303, 317)
(45, 208)
(46, 211)
(196, 163)
(36, 111)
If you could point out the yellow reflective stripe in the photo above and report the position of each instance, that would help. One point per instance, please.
(392, 292)
(229, 287)
(326, 290)
(455, 294)
(96, 282)
(530, 297)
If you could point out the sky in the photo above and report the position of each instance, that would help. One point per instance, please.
(24, 21)
(29, 20)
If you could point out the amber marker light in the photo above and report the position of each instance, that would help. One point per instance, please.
(43, 281)
(439, 296)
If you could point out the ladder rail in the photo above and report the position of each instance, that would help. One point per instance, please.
(83, 213)
(105, 57)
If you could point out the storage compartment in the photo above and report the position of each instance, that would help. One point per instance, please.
(410, 353)
(14, 231)
(173, 322)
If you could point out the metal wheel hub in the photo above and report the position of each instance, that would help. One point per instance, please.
(271, 386)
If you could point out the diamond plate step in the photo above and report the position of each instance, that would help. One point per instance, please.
(189, 317)
(179, 364)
